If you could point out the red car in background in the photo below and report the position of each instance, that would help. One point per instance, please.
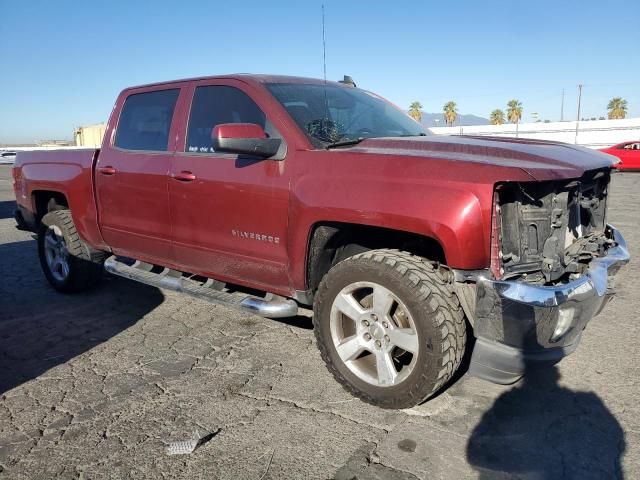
(628, 153)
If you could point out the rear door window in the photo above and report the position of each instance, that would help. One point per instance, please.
(145, 120)
(216, 104)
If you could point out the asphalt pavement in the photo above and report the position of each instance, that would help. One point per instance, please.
(98, 385)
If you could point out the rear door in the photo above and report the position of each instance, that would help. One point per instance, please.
(132, 174)
(229, 213)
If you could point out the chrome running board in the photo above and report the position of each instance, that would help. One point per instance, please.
(272, 306)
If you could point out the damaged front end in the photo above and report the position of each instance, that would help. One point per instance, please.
(550, 231)
(553, 263)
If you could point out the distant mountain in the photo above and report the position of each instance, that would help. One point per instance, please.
(429, 120)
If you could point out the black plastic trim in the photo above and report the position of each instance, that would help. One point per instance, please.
(25, 220)
(502, 364)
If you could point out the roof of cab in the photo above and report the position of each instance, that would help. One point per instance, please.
(250, 77)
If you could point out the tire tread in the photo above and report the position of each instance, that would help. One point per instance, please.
(432, 287)
(86, 262)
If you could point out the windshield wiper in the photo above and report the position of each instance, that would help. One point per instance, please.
(345, 143)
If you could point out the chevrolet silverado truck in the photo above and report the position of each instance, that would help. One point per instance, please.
(264, 193)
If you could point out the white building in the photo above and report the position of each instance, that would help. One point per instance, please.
(590, 133)
(90, 135)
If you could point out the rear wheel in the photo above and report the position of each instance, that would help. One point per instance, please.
(68, 263)
(389, 327)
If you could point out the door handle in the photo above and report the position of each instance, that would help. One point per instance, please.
(184, 176)
(107, 170)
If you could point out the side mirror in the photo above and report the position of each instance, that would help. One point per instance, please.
(244, 138)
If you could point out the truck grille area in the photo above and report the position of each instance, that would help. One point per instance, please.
(551, 230)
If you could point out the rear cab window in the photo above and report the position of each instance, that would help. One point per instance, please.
(145, 120)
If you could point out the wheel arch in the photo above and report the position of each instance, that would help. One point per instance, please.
(332, 242)
(45, 201)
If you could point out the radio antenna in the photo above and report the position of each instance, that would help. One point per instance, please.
(324, 69)
(324, 49)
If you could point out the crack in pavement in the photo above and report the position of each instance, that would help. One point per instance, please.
(302, 406)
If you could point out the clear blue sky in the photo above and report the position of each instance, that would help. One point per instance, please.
(62, 63)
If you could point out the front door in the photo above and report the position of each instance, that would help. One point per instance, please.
(229, 213)
(132, 175)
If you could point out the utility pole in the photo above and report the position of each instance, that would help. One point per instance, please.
(562, 107)
(578, 119)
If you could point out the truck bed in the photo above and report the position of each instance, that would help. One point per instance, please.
(68, 172)
(78, 156)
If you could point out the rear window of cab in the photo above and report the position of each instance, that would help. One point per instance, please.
(145, 120)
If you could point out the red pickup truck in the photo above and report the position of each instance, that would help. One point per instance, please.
(268, 192)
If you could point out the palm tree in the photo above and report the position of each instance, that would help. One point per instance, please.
(497, 117)
(415, 111)
(450, 110)
(617, 108)
(514, 111)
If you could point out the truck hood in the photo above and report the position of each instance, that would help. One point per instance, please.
(540, 159)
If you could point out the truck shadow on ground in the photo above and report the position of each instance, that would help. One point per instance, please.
(541, 430)
(7, 209)
(41, 328)
(299, 321)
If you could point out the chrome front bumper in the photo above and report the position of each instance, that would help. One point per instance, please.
(518, 323)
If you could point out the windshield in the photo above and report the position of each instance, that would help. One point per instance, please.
(330, 114)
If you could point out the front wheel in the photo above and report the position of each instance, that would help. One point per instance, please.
(69, 264)
(389, 327)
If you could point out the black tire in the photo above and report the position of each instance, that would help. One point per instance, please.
(85, 264)
(439, 323)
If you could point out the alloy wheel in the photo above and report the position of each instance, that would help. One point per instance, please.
(374, 334)
(56, 253)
